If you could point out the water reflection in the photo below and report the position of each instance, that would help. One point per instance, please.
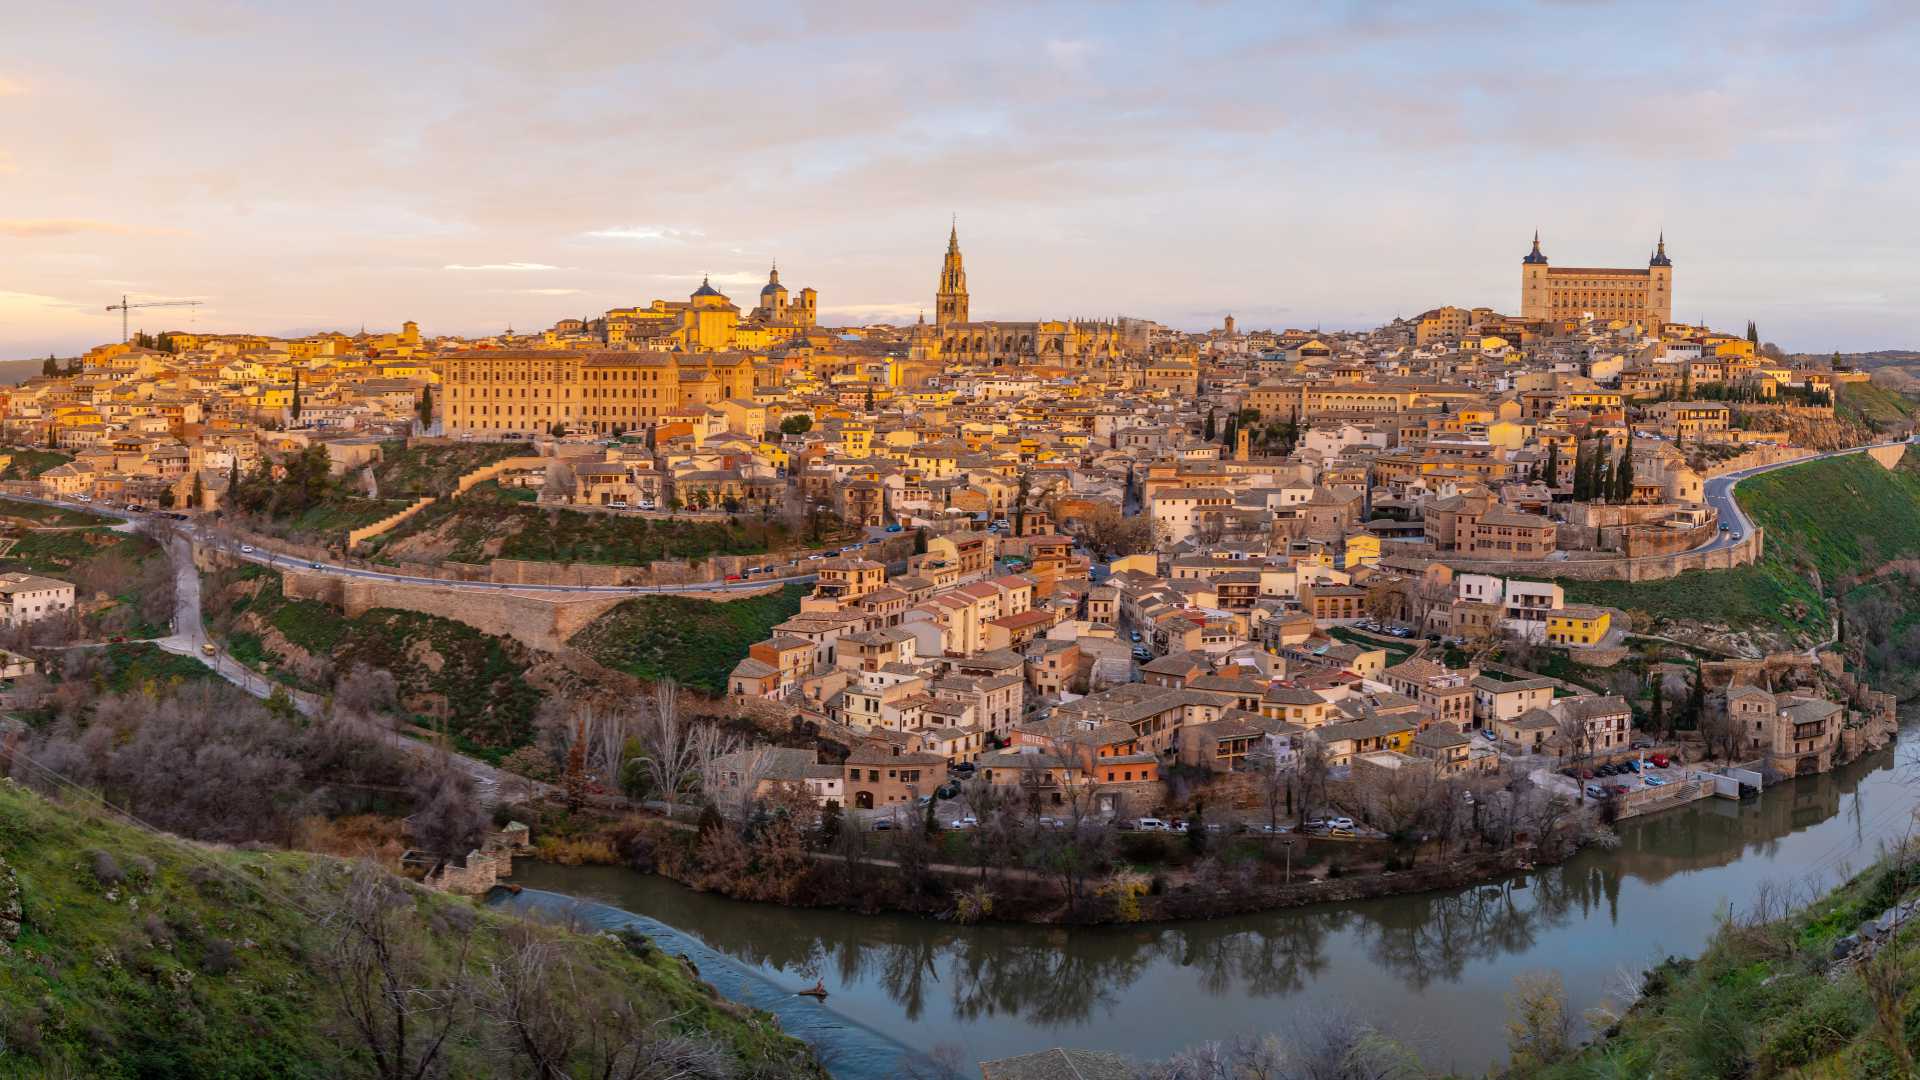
(1149, 989)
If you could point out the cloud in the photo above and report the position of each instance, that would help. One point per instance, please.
(548, 292)
(512, 266)
(719, 281)
(1069, 55)
(644, 232)
(33, 228)
(865, 313)
(12, 87)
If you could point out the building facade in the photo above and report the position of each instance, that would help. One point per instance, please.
(1608, 294)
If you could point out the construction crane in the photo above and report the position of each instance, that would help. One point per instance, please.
(123, 307)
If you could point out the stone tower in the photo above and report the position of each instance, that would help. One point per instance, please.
(950, 303)
(1534, 300)
(1660, 286)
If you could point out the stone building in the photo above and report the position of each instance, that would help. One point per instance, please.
(1608, 294)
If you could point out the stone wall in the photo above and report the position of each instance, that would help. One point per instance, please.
(1647, 568)
(542, 621)
(367, 532)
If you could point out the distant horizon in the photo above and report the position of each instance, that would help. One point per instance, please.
(1328, 165)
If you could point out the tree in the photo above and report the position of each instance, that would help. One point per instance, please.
(50, 367)
(1753, 333)
(1657, 708)
(295, 411)
(398, 1004)
(920, 540)
(1582, 481)
(1210, 432)
(1623, 477)
(1265, 762)
(677, 753)
(1539, 1027)
(196, 496)
(1552, 477)
(426, 407)
(1023, 489)
(1109, 534)
(797, 424)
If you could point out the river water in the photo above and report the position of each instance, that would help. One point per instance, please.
(1433, 969)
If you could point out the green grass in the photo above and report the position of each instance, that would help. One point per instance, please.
(60, 516)
(142, 665)
(29, 463)
(1825, 521)
(1395, 653)
(525, 532)
(695, 641)
(202, 961)
(336, 517)
(1875, 406)
(433, 470)
(1761, 1000)
(479, 686)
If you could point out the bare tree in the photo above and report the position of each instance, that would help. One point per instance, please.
(365, 692)
(398, 1005)
(677, 753)
(559, 484)
(1109, 534)
(1274, 774)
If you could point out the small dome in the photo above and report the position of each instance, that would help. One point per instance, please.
(706, 289)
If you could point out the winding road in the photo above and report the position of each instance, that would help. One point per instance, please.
(1719, 492)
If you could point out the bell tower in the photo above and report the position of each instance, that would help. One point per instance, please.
(950, 303)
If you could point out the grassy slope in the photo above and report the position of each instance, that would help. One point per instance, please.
(90, 981)
(433, 470)
(50, 515)
(540, 535)
(1837, 517)
(1759, 1001)
(29, 463)
(1875, 406)
(695, 641)
(480, 677)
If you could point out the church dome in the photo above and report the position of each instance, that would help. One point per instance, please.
(706, 289)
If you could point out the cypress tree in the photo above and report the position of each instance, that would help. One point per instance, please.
(1211, 433)
(1753, 333)
(296, 394)
(1657, 710)
(1581, 489)
(1553, 465)
(1623, 482)
(426, 406)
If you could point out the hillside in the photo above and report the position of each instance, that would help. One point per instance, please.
(127, 954)
(444, 671)
(1769, 998)
(695, 641)
(1830, 525)
(1879, 407)
(476, 527)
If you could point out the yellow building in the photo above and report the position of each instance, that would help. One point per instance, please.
(525, 391)
(1608, 294)
(1577, 624)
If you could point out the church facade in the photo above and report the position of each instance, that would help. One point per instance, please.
(1047, 342)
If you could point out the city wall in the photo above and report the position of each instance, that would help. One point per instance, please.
(1642, 568)
(538, 621)
(367, 532)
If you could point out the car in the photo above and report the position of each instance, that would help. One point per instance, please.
(1149, 824)
(1125, 826)
(1595, 791)
(964, 768)
(1489, 734)
(948, 791)
(1586, 774)
(1467, 797)
(1604, 770)
(207, 647)
(246, 549)
(1570, 773)
(1723, 528)
(1049, 822)
(923, 800)
(617, 504)
(1622, 789)
(1654, 781)
(1642, 744)
(1314, 824)
(646, 504)
(1133, 635)
(315, 566)
(882, 824)
(893, 528)
(1271, 830)
(815, 558)
(1339, 823)
(1633, 766)
(967, 822)
(1660, 761)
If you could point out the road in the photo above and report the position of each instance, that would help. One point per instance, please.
(283, 561)
(189, 638)
(1719, 492)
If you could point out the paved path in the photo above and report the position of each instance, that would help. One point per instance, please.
(1719, 492)
(797, 575)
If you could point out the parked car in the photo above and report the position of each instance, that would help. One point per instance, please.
(893, 528)
(1660, 761)
(1634, 765)
(1339, 823)
(1133, 635)
(1643, 744)
(1150, 824)
(1272, 830)
(1315, 824)
(1621, 789)
(964, 768)
(1595, 791)
(1653, 781)
(967, 822)
(314, 566)
(246, 549)
(948, 791)
(735, 577)
(1489, 735)
(882, 824)
(1049, 822)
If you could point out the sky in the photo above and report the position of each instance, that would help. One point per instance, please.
(479, 165)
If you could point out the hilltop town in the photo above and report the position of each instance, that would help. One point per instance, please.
(1097, 568)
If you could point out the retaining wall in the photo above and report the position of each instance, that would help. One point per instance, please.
(367, 532)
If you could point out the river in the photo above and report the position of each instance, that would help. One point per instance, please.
(1433, 969)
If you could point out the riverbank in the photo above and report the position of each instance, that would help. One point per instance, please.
(1434, 968)
(1139, 878)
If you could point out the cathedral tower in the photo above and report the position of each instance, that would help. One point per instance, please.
(950, 303)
